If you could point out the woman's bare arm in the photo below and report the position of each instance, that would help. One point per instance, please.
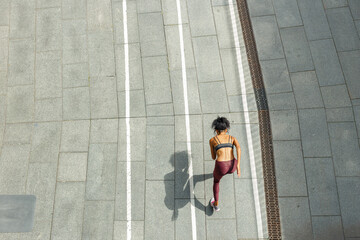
(213, 155)
(238, 152)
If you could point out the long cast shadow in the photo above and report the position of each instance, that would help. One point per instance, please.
(180, 162)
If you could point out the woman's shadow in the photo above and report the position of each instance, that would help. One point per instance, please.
(181, 185)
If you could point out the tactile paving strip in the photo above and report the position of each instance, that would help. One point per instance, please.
(272, 205)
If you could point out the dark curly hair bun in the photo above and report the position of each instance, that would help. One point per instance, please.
(220, 124)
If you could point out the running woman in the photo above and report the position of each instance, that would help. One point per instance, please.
(222, 150)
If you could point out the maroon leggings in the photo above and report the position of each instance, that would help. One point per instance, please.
(221, 169)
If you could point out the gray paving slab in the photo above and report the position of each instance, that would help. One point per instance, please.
(343, 29)
(73, 27)
(261, 8)
(75, 49)
(75, 75)
(73, 9)
(152, 36)
(137, 103)
(285, 125)
(296, 220)
(159, 214)
(357, 117)
(3, 83)
(104, 130)
(209, 103)
(281, 101)
(201, 18)
(321, 186)
(314, 133)
(137, 229)
(103, 95)
(334, 3)
(72, 167)
(137, 191)
(357, 24)
(159, 162)
(290, 171)
(276, 76)
(101, 54)
(4, 12)
(355, 9)
(48, 29)
(314, 19)
(18, 133)
(101, 172)
(22, 20)
(207, 59)
(349, 61)
(287, 13)
(145, 6)
(345, 149)
(20, 104)
(156, 80)
(98, 220)
(221, 229)
(267, 38)
(48, 3)
(75, 136)
(49, 109)
(4, 46)
(170, 14)
(340, 114)
(165, 109)
(327, 227)
(162, 120)
(21, 62)
(341, 93)
(296, 49)
(48, 75)
(236, 103)
(195, 126)
(45, 142)
(349, 204)
(326, 61)
(132, 22)
(306, 90)
(68, 211)
(80, 110)
(176, 78)
(237, 118)
(94, 10)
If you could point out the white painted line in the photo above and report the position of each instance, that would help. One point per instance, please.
(127, 117)
(247, 122)
(187, 122)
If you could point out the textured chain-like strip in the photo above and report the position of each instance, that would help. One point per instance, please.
(272, 205)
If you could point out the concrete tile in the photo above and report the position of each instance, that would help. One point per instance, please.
(343, 29)
(178, 91)
(45, 142)
(237, 118)
(289, 168)
(260, 8)
(103, 97)
(334, 3)
(73, 9)
(201, 18)
(101, 172)
(322, 186)
(236, 103)
(145, 6)
(18, 133)
(49, 109)
(165, 109)
(72, 167)
(314, 133)
(98, 15)
(221, 229)
(173, 47)
(296, 49)
(4, 46)
(287, 13)
(345, 149)
(159, 162)
(98, 220)
(344, 114)
(4, 12)
(357, 117)
(20, 104)
(357, 24)
(284, 125)
(152, 36)
(159, 214)
(349, 61)
(75, 75)
(3, 83)
(349, 204)
(73, 27)
(210, 104)
(75, 136)
(314, 19)
(327, 227)
(48, 29)
(355, 9)
(137, 104)
(21, 62)
(80, 110)
(75, 49)
(48, 75)
(267, 37)
(326, 62)
(48, 3)
(336, 96)
(295, 218)
(306, 90)
(101, 54)
(132, 22)
(104, 130)
(169, 11)
(22, 19)
(281, 101)
(137, 139)
(276, 76)
(207, 59)
(137, 193)
(195, 126)
(162, 120)
(137, 230)
(68, 211)
(156, 80)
